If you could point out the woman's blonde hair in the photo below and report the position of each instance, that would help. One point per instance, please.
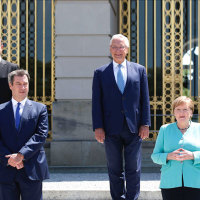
(181, 100)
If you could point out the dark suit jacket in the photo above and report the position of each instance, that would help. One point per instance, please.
(109, 106)
(29, 140)
(5, 68)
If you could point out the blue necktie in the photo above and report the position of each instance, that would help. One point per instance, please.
(17, 116)
(120, 80)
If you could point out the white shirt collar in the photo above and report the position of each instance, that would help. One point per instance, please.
(14, 102)
(115, 65)
(0, 59)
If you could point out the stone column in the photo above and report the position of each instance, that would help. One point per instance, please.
(83, 31)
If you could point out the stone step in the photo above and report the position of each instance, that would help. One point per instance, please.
(93, 186)
(100, 161)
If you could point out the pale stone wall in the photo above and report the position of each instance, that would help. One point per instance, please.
(83, 30)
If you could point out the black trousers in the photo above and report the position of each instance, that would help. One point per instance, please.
(181, 193)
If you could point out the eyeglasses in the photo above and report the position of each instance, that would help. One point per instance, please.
(182, 110)
(118, 48)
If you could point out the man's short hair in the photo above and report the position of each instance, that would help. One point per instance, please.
(122, 37)
(18, 72)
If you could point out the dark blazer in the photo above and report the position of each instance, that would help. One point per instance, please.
(29, 140)
(109, 106)
(5, 68)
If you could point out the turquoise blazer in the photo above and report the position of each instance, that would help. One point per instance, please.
(169, 139)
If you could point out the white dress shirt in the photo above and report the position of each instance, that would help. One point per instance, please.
(123, 69)
(14, 104)
(0, 58)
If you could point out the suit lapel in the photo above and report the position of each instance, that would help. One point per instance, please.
(26, 112)
(128, 65)
(112, 76)
(10, 112)
(3, 62)
(3, 69)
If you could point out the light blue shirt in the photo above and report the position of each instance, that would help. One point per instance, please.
(123, 69)
(170, 139)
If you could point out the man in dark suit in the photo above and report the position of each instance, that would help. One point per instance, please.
(5, 68)
(121, 118)
(23, 131)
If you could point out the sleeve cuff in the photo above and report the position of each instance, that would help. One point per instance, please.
(163, 158)
(196, 157)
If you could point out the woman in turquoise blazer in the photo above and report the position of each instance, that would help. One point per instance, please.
(177, 149)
